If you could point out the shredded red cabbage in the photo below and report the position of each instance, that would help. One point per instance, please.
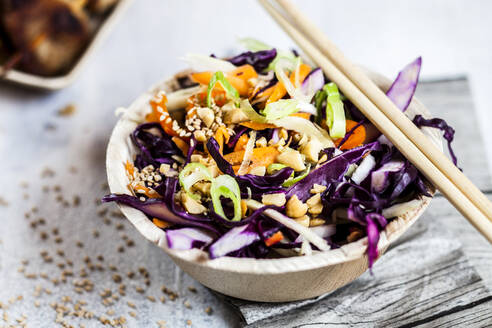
(258, 185)
(154, 149)
(440, 124)
(392, 180)
(259, 59)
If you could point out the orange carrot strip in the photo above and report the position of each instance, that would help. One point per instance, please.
(201, 77)
(263, 156)
(302, 115)
(275, 238)
(244, 208)
(221, 135)
(244, 72)
(266, 92)
(161, 224)
(239, 84)
(241, 142)
(148, 192)
(277, 93)
(182, 145)
(280, 91)
(225, 134)
(355, 139)
(257, 126)
(130, 169)
(161, 115)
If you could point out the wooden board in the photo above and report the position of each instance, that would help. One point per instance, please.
(438, 273)
(429, 278)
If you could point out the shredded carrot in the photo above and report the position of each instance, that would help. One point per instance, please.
(355, 139)
(240, 84)
(221, 135)
(275, 238)
(244, 72)
(258, 126)
(280, 91)
(263, 156)
(218, 95)
(130, 169)
(241, 142)
(148, 192)
(182, 145)
(302, 115)
(161, 224)
(266, 92)
(244, 208)
(160, 114)
(202, 77)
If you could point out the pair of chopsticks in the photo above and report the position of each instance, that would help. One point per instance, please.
(381, 111)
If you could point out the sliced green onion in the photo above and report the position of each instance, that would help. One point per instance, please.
(274, 167)
(335, 114)
(250, 112)
(289, 182)
(219, 77)
(280, 109)
(226, 186)
(191, 174)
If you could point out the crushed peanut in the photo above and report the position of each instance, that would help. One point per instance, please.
(295, 208)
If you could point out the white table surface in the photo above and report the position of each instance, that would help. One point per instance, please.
(452, 36)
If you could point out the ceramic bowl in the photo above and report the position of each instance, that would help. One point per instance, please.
(266, 280)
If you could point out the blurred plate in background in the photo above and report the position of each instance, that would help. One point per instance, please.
(60, 81)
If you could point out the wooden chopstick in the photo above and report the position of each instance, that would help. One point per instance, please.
(311, 31)
(432, 171)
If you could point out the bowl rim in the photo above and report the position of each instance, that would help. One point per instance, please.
(120, 149)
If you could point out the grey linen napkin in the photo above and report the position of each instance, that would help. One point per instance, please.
(425, 279)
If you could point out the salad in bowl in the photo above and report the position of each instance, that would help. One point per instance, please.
(260, 156)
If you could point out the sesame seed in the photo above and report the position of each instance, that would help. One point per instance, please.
(117, 278)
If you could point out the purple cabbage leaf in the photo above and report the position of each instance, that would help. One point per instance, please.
(188, 238)
(259, 59)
